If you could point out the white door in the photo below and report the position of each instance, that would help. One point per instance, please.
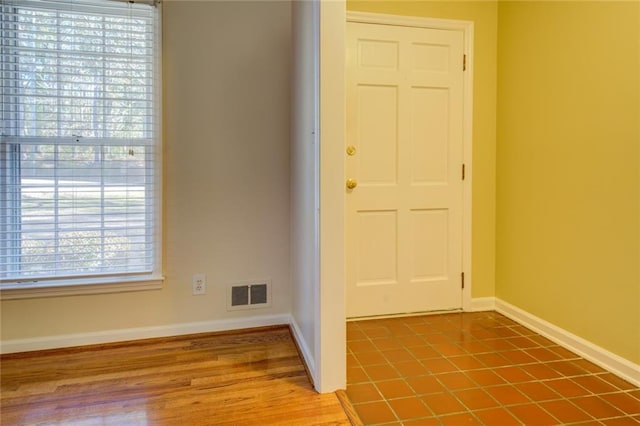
(404, 150)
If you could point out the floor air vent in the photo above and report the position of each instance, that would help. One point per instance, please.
(249, 295)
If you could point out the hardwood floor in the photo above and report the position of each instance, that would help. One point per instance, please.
(251, 377)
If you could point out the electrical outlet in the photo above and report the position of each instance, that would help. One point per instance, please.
(199, 282)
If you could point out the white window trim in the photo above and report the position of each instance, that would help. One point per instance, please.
(122, 283)
(80, 287)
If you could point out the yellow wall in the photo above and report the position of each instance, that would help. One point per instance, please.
(226, 176)
(568, 184)
(484, 15)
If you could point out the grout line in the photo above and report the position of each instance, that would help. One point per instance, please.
(375, 381)
(443, 330)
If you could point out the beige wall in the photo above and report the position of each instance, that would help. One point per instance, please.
(226, 175)
(566, 242)
(568, 245)
(484, 14)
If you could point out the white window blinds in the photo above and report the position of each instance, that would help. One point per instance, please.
(79, 143)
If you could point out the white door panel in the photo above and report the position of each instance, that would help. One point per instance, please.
(404, 218)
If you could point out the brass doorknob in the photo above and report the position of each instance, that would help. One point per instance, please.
(351, 183)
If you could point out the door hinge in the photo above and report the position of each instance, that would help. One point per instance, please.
(464, 62)
(462, 279)
(463, 171)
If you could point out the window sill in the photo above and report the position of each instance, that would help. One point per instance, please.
(80, 287)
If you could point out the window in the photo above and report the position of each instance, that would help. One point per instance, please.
(79, 144)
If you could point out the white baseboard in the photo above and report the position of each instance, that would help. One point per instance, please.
(596, 354)
(307, 356)
(479, 304)
(110, 336)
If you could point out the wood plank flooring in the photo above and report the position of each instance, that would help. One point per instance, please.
(252, 377)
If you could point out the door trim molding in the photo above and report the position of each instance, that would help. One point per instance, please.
(467, 29)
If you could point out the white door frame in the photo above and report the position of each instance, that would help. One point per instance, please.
(330, 327)
(467, 29)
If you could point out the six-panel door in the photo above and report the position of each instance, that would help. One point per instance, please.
(404, 217)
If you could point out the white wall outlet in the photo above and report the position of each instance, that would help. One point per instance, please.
(199, 283)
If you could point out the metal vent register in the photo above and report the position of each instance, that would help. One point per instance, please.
(249, 296)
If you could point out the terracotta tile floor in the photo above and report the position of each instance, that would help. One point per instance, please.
(476, 368)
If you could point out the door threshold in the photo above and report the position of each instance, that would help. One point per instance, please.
(405, 314)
